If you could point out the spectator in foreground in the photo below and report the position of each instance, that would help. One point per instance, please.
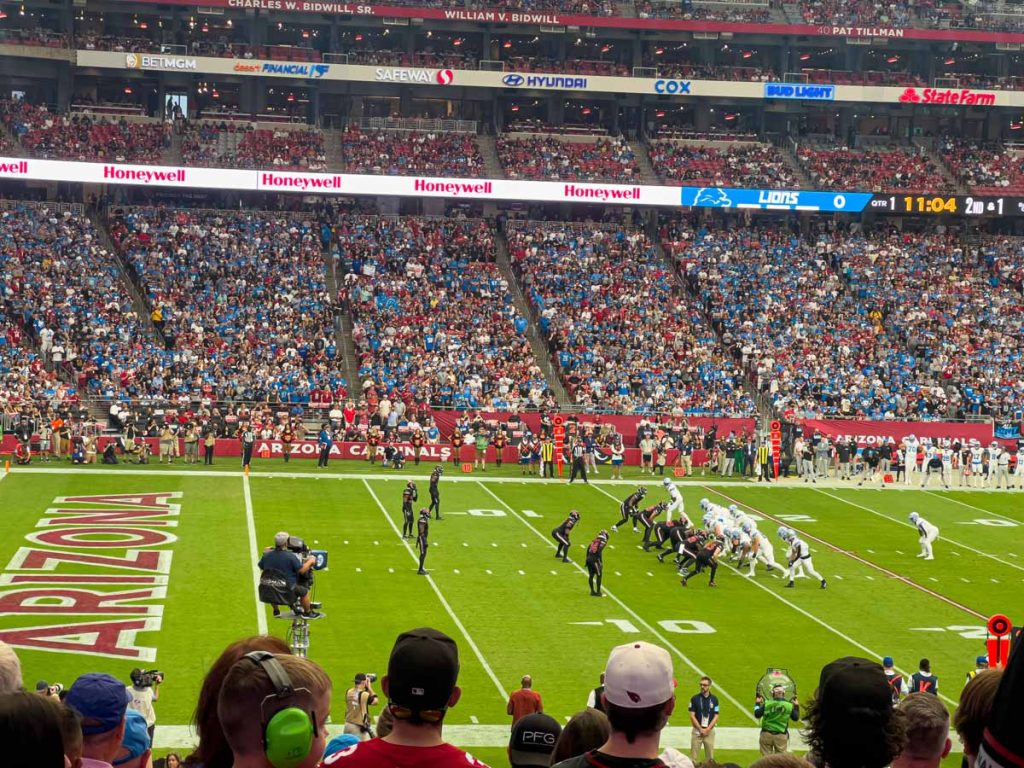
(974, 710)
(1002, 742)
(30, 728)
(421, 687)
(101, 701)
(927, 732)
(851, 722)
(252, 695)
(533, 740)
(525, 701)
(781, 760)
(10, 669)
(136, 745)
(213, 750)
(639, 699)
(585, 731)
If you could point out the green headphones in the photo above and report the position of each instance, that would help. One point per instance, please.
(288, 735)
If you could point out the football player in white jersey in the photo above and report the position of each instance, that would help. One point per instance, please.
(927, 534)
(977, 470)
(741, 545)
(1018, 473)
(932, 465)
(761, 549)
(910, 444)
(795, 570)
(800, 552)
(947, 462)
(675, 502)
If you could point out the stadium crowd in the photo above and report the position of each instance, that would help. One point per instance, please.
(411, 153)
(739, 165)
(433, 318)
(243, 145)
(624, 335)
(609, 158)
(82, 136)
(988, 169)
(896, 169)
(240, 298)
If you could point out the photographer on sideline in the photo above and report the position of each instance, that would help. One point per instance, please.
(282, 559)
(144, 690)
(358, 700)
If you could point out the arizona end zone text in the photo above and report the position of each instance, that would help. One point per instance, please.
(101, 561)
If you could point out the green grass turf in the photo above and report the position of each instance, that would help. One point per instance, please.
(494, 578)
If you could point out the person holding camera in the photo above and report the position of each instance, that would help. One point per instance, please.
(358, 700)
(775, 715)
(292, 567)
(144, 690)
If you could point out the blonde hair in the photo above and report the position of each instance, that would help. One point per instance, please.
(10, 669)
(975, 706)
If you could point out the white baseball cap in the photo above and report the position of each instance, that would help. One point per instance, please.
(638, 675)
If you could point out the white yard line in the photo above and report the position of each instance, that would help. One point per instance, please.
(661, 638)
(857, 558)
(942, 537)
(430, 580)
(254, 556)
(971, 506)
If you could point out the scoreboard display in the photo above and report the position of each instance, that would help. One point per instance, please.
(956, 205)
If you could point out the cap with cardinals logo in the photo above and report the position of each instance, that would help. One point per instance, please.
(638, 675)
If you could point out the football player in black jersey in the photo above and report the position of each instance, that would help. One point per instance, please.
(422, 530)
(409, 495)
(647, 519)
(435, 495)
(627, 509)
(561, 535)
(595, 562)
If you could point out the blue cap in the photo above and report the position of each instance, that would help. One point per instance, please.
(887, 661)
(982, 660)
(340, 742)
(100, 699)
(136, 738)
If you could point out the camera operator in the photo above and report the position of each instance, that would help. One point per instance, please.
(293, 567)
(144, 690)
(358, 700)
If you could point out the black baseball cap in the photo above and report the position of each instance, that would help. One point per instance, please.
(853, 683)
(423, 669)
(533, 740)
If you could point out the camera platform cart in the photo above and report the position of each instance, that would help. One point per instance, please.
(298, 633)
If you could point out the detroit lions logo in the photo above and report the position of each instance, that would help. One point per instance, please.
(712, 197)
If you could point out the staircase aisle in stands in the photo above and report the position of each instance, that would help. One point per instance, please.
(139, 303)
(927, 147)
(342, 328)
(764, 408)
(788, 153)
(172, 155)
(489, 151)
(643, 161)
(537, 343)
(332, 150)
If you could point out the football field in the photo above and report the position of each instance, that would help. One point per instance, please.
(161, 575)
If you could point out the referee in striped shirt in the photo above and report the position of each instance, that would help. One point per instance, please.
(579, 466)
(764, 457)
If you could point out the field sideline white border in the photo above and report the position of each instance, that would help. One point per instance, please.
(694, 480)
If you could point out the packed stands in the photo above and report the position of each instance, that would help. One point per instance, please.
(891, 169)
(624, 336)
(987, 168)
(735, 164)
(551, 157)
(811, 344)
(956, 311)
(243, 145)
(241, 297)
(64, 293)
(741, 12)
(895, 13)
(433, 319)
(410, 153)
(84, 137)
